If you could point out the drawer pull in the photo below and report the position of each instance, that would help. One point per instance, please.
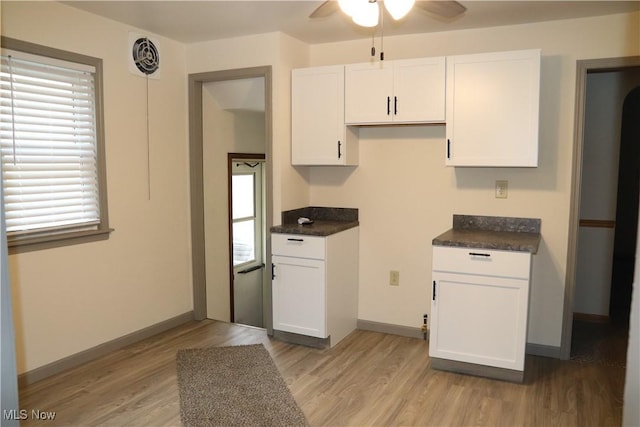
(479, 254)
(295, 240)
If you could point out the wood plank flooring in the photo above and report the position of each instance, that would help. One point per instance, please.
(368, 379)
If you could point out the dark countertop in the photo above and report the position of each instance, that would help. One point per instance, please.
(499, 233)
(327, 221)
(318, 228)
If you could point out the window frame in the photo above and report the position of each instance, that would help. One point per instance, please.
(38, 240)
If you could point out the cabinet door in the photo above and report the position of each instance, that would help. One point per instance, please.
(299, 297)
(492, 109)
(479, 319)
(317, 116)
(369, 93)
(419, 90)
(404, 91)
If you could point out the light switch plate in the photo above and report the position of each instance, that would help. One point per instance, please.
(394, 278)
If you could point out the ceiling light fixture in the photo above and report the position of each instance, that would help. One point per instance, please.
(366, 13)
(398, 9)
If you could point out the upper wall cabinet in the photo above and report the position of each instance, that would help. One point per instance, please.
(404, 91)
(492, 109)
(318, 132)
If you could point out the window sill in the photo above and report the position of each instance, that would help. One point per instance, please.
(29, 244)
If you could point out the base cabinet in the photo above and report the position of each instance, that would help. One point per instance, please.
(299, 296)
(315, 284)
(479, 306)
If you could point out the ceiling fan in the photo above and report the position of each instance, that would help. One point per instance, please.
(366, 12)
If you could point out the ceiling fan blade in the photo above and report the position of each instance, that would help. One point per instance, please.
(445, 9)
(325, 9)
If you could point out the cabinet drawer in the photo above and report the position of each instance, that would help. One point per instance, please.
(298, 245)
(482, 262)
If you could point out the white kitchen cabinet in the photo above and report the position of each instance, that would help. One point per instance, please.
(493, 109)
(318, 132)
(479, 310)
(315, 284)
(402, 91)
(299, 296)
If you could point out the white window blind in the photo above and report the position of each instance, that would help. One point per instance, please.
(48, 145)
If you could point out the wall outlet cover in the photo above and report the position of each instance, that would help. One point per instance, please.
(502, 189)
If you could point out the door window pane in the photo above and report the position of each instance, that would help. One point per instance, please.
(243, 241)
(243, 196)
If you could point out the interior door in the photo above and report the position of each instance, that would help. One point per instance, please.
(248, 241)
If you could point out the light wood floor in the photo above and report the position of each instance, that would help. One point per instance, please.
(368, 379)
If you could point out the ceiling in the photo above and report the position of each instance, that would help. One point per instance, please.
(238, 94)
(196, 21)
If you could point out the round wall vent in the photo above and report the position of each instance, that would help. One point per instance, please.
(146, 56)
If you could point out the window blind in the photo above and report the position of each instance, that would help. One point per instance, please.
(48, 145)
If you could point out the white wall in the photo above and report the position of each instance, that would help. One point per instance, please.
(407, 196)
(70, 299)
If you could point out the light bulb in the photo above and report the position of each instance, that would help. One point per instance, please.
(348, 6)
(367, 14)
(398, 8)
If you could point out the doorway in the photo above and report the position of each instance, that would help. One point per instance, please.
(624, 253)
(211, 255)
(597, 204)
(248, 237)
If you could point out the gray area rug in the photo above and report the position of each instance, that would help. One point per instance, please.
(234, 386)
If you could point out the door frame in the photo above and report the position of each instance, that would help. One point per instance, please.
(583, 67)
(232, 158)
(196, 185)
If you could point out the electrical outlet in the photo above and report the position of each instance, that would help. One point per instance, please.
(394, 278)
(502, 189)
